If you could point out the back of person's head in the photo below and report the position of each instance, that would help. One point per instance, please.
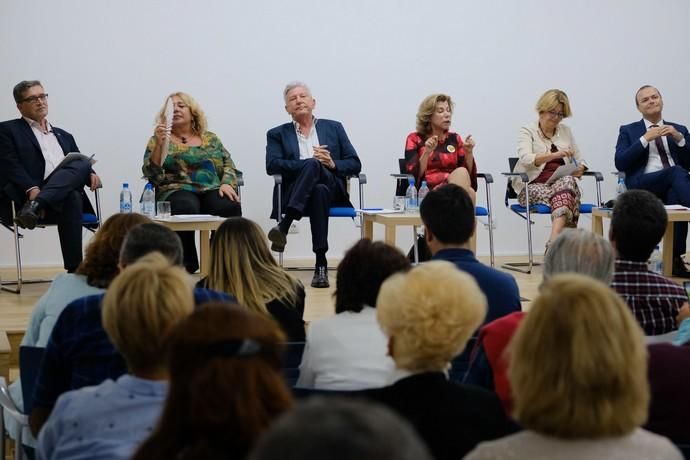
(340, 429)
(142, 304)
(578, 367)
(448, 213)
(638, 223)
(580, 251)
(146, 238)
(103, 252)
(364, 267)
(242, 265)
(428, 314)
(226, 385)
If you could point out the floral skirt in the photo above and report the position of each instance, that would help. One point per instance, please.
(563, 196)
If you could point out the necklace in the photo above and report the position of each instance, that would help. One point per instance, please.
(548, 138)
(182, 139)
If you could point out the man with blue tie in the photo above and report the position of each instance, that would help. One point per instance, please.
(314, 157)
(654, 154)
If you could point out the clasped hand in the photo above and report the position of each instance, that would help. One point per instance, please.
(322, 154)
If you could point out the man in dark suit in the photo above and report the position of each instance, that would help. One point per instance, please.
(654, 154)
(314, 157)
(32, 176)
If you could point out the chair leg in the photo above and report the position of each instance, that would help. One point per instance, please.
(516, 266)
(17, 260)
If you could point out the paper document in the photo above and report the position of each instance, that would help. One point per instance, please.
(564, 170)
(379, 211)
(169, 110)
(675, 207)
(75, 156)
(190, 218)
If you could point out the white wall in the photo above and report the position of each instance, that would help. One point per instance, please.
(109, 65)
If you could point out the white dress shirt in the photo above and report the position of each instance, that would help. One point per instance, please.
(654, 163)
(50, 147)
(307, 143)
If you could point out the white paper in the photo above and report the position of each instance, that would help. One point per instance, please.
(169, 109)
(189, 218)
(564, 170)
(75, 156)
(675, 207)
(379, 211)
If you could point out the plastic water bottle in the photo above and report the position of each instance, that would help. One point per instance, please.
(148, 201)
(654, 264)
(423, 190)
(411, 204)
(125, 198)
(621, 188)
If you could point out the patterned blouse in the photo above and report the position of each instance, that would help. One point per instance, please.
(192, 168)
(448, 155)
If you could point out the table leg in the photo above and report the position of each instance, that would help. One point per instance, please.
(390, 234)
(597, 225)
(368, 226)
(667, 251)
(205, 252)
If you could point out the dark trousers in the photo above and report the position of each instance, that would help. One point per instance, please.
(672, 186)
(61, 198)
(185, 202)
(311, 194)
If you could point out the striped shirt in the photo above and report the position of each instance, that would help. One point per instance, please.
(653, 299)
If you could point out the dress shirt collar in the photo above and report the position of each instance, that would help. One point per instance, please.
(36, 125)
(630, 266)
(296, 124)
(137, 385)
(454, 253)
(648, 124)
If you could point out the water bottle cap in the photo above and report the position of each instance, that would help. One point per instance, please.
(149, 186)
(125, 185)
(423, 183)
(410, 180)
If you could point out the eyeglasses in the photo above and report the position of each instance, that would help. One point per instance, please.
(34, 99)
(553, 113)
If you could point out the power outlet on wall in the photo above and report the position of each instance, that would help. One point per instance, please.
(293, 228)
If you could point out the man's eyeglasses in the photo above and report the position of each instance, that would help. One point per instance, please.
(553, 113)
(34, 99)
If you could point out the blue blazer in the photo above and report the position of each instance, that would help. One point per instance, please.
(282, 156)
(631, 157)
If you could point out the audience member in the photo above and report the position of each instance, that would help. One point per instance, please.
(34, 175)
(428, 315)
(226, 386)
(242, 264)
(638, 223)
(574, 251)
(435, 154)
(654, 154)
(578, 374)
(79, 352)
(544, 146)
(348, 351)
(314, 157)
(448, 216)
(111, 419)
(340, 429)
(196, 175)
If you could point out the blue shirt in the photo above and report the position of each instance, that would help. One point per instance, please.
(501, 290)
(107, 421)
(79, 352)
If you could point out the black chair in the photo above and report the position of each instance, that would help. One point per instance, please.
(526, 211)
(8, 211)
(333, 212)
(402, 181)
(30, 359)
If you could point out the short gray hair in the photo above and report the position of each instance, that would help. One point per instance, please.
(292, 85)
(21, 87)
(580, 251)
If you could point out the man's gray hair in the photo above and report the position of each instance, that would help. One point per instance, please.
(22, 87)
(580, 251)
(292, 85)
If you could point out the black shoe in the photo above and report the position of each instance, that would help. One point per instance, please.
(320, 279)
(28, 215)
(278, 239)
(679, 269)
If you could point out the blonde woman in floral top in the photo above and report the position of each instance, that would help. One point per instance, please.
(197, 176)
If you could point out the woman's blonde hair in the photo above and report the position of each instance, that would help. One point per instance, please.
(141, 305)
(550, 101)
(578, 367)
(242, 265)
(427, 108)
(428, 314)
(199, 123)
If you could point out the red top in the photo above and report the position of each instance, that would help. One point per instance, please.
(448, 155)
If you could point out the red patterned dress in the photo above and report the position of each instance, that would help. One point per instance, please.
(448, 155)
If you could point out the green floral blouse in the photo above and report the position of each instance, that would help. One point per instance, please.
(192, 168)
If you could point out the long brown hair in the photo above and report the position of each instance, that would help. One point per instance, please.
(103, 252)
(242, 265)
(220, 400)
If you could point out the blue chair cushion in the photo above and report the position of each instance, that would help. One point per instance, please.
(89, 219)
(586, 208)
(537, 208)
(342, 212)
(481, 211)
